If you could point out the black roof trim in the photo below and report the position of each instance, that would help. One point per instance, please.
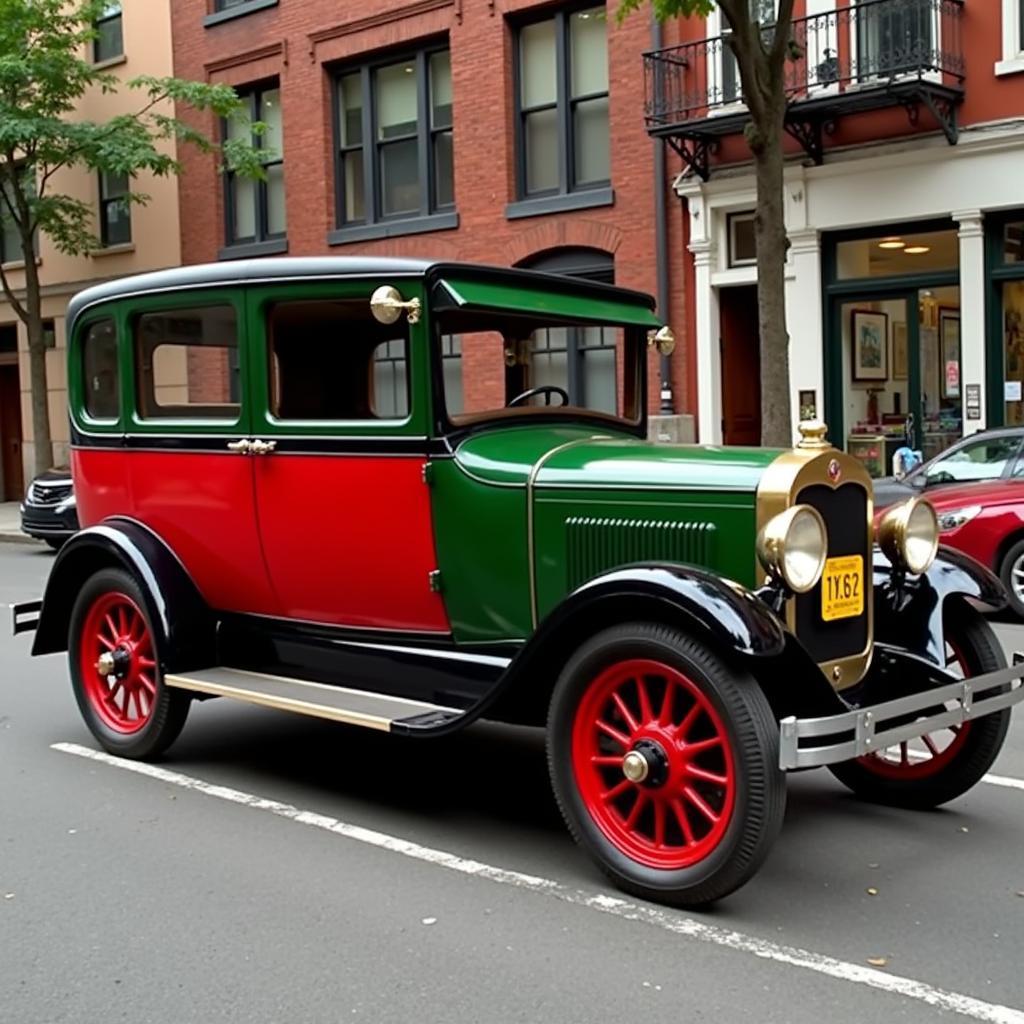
(240, 272)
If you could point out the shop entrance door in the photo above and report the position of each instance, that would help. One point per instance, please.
(12, 482)
(741, 366)
(900, 373)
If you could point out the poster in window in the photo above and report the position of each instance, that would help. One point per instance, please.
(870, 345)
(899, 351)
(949, 339)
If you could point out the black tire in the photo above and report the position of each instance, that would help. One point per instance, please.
(165, 711)
(736, 707)
(55, 542)
(1006, 573)
(954, 771)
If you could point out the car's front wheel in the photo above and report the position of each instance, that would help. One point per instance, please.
(1011, 572)
(115, 669)
(664, 761)
(941, 766)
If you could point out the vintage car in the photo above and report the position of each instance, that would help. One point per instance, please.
(408, 495)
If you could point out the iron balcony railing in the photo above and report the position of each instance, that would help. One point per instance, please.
(870, 44)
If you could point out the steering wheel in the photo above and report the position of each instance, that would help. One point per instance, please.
(547, 390)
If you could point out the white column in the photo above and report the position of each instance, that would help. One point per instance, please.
(804, 320)
(709, 356)
(972, 311)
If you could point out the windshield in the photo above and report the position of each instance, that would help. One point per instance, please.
(985, 459)
(497, 366)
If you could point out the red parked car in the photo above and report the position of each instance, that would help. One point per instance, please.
(986, 520)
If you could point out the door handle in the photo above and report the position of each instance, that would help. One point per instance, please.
(242, 447)
(259, 447)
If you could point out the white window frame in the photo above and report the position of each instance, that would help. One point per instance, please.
(1013, 39)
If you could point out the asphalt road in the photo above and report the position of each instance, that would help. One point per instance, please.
(278, 869)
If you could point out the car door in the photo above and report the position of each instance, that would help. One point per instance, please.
(340, 436)
(190, 481)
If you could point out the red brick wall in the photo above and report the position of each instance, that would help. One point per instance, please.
(297, 42)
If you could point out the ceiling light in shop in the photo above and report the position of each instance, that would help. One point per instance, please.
(917, 250)
(891, 243)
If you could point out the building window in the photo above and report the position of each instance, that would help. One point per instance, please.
(10, 237)
(115, 211)
(742, 243)
(562, 96)
(256, 209)
(109, 41)
(227, 5)
(394, 132)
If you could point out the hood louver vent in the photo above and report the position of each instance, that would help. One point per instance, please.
(597, 545)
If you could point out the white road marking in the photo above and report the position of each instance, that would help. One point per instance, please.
(668, 920)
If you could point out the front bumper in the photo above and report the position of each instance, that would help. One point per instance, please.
(53, 521)
(810, 742)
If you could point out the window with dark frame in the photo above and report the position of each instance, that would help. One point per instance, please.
(227, 5)
(109, 41)
(115, 210)
(255, 210)
(742, 242)
(10, 237)
(562, 103)
(394, 139)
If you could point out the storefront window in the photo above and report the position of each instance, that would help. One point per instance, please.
(1013, 242)
(897, 254)
(1013, 343)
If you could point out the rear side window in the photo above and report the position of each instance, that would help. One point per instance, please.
(331, 360)
(100, 379)
(187, 364)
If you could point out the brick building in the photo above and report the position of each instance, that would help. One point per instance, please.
(904, 205)
(496, 131)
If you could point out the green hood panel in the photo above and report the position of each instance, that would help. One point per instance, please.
(575, 456)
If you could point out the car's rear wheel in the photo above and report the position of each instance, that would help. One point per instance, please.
(1011, 572)
(115, 669)
(664, 761)
(945, 764)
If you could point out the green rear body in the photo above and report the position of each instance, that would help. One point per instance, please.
(524, 515)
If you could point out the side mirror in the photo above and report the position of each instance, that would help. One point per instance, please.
(386, 304)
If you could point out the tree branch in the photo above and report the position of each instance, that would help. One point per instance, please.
(18, 308)
(782, 37)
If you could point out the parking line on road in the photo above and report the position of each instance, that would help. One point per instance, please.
(668, 920)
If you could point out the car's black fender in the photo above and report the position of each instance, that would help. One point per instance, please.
(184, 626)
(731, 619)
(909, 609)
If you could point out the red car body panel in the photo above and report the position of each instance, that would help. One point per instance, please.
(348, 540)
(985, 536)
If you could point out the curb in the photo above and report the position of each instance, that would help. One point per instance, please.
(17, 537)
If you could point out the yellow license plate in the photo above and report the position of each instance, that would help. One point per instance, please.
(842, 588)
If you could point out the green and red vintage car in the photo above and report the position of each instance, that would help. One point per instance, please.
(409, 495)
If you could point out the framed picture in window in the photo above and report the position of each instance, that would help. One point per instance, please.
(870, 333)
(899, 351)
(949, 340)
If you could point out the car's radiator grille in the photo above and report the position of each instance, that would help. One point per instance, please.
(596, 545)
(49, 494)
(845, 513)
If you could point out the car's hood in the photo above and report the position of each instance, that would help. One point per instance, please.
(888, 490)
(983, 492)
(575, 456)
(59, 475)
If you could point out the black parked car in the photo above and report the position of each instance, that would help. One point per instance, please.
(49, 512)
(987, 455)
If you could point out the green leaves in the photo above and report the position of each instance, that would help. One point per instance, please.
(665, 9)
(46, 74)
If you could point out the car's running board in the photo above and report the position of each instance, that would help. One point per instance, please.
(337, 703)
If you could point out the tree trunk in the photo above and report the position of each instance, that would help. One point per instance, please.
(37, 365)
(770, 232)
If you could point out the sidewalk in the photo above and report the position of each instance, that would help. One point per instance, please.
(10, 525)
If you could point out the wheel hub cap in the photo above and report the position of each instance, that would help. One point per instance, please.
(646, 764)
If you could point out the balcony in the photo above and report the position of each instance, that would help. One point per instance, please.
(875, 54)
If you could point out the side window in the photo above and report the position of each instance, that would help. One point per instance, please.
(186, 364)
(330, 360)
(101, 392)
(985, 460)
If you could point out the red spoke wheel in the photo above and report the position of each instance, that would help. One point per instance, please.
(939, 766)
(664, 761)
(115, 669)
